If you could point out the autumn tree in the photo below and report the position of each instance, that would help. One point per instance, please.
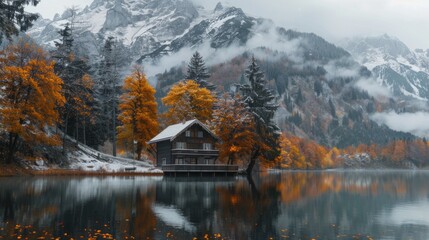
(234, 125)
(331, 158)
(399, 152)
(13, 17)
(197, 71)
(30, 96)
(138, 112)
(260, 102)
(186, 101)
(284, 159)
(290, 155)
(297, 159)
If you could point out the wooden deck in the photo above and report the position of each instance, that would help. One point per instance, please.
(200, 170)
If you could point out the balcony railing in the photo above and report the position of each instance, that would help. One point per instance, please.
(196, 168)
(195, 152)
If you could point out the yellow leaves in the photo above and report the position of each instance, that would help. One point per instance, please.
(138, 112)
(234, 149)
(87, 81)
(32, 92)
(233, 124)
(186, 101)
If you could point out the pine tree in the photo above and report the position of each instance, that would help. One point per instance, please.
(197, 71)
(138, 112)
(31, 94)
(318, 87)
(14, 19)
(260, 102)
(332, 108)
(63, 54)
(186, 101)
(78, 85)
(108, 91)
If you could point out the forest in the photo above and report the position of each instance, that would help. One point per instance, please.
(47, 95)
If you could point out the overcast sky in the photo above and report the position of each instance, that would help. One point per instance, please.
(332, 19)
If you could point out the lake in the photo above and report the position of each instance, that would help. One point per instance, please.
(285, 205)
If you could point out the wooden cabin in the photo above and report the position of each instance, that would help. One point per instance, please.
(188, 147)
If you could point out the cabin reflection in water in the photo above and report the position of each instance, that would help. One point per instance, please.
(189, 148)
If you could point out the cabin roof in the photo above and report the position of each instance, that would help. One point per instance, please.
(172, 131)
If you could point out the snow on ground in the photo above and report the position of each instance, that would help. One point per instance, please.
(84, 162)
(81, 161)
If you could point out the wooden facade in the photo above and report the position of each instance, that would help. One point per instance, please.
(190, 143)
(195, 145)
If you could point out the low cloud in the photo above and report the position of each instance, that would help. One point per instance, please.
(415, 123)
(266, 36)
(338, 19)
(373, 88)
(335, 69)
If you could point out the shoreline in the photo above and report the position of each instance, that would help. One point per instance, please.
(18, 171)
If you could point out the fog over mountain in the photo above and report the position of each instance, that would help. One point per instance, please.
(332, 94)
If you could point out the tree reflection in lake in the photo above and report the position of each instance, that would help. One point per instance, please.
(296, 205)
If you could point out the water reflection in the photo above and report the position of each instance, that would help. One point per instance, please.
(300, 205)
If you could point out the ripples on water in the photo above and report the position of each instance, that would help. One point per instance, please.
(288, 205)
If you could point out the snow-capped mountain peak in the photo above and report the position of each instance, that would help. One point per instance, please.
(404, 71)
(151, 28)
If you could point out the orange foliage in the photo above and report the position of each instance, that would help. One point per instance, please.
(187, 101)
(298, 153)
(234, 125)
(138, 112)
(396, 152)
(31, 93)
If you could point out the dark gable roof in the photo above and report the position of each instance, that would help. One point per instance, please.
(172, 131)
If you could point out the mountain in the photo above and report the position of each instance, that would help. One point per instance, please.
(151, 28)
(315, 81)
(404, 71)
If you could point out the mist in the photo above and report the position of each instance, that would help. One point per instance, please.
(415, 123)
(373, 88)
(266, 38)
(338, 19)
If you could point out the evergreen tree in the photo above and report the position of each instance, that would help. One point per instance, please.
(332, 108)
(197, 71)
(108, 91)
(318, 87)
(14, 19)
(77, 88)
(300, 97)
(260, 102)
(243, 79)
(64, 50)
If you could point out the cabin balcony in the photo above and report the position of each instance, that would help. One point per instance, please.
(195, 152)
(200, 169)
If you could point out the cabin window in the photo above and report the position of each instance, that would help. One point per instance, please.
(207, 146)
(164, 161)
(179, 161)
(200, 134)
(180, 145)
(188, 133)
